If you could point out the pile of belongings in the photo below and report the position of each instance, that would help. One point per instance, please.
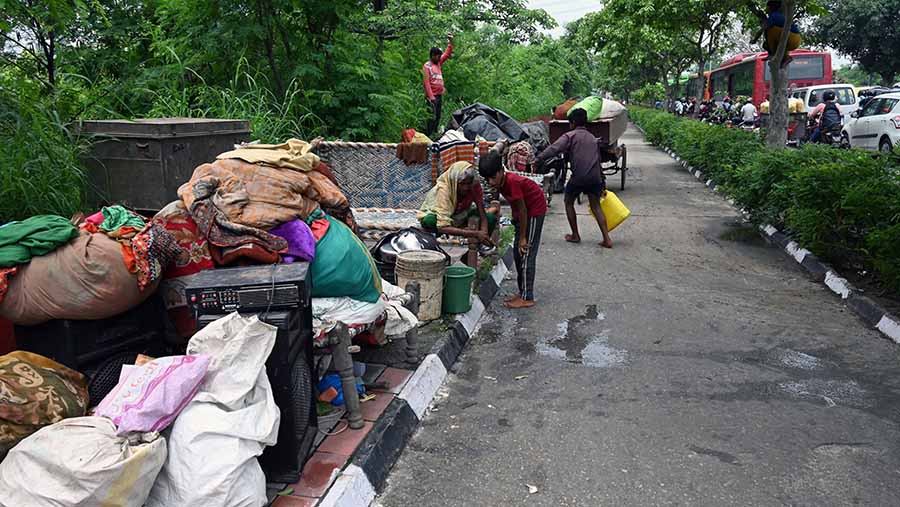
(150, 440)
(597, 108)
(82, 269)
(485, 122)
(58, 455)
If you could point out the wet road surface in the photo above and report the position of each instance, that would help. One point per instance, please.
(691, 365)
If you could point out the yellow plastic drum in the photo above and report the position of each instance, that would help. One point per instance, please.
(614, 210)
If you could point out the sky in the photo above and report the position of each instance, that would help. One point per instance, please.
(565, 11)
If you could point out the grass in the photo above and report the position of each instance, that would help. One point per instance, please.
(41, 171)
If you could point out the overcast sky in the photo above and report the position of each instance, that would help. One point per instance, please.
(565, 11)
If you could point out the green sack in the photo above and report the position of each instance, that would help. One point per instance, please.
(343, 266)
(592, 105)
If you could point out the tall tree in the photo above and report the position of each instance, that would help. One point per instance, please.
(866, 30)
(33, 31)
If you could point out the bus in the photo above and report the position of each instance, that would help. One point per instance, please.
(695, 84)
(748, 74)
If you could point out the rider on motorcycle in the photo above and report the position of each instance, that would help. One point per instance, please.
(829, 117)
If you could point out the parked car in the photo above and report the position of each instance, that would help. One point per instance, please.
(811, 96)
(876, 126)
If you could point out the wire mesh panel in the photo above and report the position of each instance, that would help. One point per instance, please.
(372, 176)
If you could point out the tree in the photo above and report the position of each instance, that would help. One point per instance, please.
(635, 47)
(865, 30)
(33, 31)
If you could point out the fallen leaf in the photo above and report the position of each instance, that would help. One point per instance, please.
(532, 489)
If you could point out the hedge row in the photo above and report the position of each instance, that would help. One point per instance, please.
(843, 205)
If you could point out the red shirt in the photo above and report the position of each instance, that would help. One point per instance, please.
(476, 195)
(519, 187)
(434, 77)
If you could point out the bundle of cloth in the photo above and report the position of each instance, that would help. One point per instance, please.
(413, 147)
(250, 207)
(92, 269)
(597, 108)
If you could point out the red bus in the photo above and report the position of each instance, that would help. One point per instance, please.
(748, 74)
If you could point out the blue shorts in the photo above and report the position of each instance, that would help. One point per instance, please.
(577, 189)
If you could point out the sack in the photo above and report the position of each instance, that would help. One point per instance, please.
(613, 209)
(85, 279)
(215, 442)
(343, 266)
(36, 392)
(149, 397)
(561, 112)
(81, 462)
(593, 106)
(611, 109)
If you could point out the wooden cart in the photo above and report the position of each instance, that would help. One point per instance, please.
(608, 131)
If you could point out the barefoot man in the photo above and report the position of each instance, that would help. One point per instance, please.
(529, 205)
(587, 177)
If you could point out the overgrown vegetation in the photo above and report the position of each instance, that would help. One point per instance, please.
(843, 205)
(342, 69)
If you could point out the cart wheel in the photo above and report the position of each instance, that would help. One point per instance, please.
(624, 169)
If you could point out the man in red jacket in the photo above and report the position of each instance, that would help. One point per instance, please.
(434, 83)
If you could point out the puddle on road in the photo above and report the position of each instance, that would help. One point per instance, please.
(832, 392)
(579, 341)
(799, 360)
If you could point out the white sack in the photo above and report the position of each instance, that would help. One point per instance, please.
(80, 462)
(215, 442)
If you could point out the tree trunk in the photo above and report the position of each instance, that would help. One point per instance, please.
(776, 135)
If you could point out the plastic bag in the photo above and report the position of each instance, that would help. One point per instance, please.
(613, 209)
(150, 397)
(215, 442)
(81, 462)
(343, 266)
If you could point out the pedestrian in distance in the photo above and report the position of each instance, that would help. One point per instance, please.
(583, 150)
(529, 205)
(434, 83)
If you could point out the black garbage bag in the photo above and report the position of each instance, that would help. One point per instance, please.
(538, 135)
(487, 122)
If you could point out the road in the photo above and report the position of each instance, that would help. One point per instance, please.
(691, 365)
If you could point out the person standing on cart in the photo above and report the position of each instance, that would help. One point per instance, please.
(434, 83)
(583, 151)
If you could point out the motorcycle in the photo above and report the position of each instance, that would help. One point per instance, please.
(831, 137)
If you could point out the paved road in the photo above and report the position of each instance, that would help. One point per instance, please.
(691, 365)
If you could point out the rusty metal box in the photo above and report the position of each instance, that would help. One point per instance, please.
(141, 163)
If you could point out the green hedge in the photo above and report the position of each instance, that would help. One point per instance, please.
(843, 205)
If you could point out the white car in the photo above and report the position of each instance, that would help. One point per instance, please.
(875, 127)
(845, 96)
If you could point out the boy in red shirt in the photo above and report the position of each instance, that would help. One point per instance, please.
(529, 205)
(434, 83)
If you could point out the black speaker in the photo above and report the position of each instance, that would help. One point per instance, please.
(283, 289)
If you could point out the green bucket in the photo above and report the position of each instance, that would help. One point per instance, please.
(458, 289)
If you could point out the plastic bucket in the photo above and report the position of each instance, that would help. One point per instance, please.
(458, 289)
(427, 268)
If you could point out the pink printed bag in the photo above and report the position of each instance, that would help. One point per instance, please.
(149, 397)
